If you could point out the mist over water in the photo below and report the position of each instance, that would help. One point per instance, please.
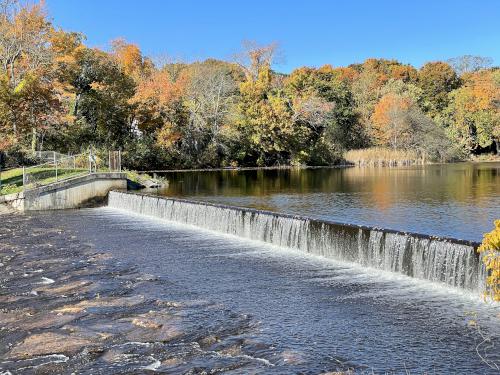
(455, 200)
(307, 314)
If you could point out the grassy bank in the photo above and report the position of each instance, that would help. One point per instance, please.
(383, 157)
(12, 179)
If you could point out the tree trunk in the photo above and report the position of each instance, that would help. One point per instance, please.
(12, 75)
(75, 108)
(33, 140)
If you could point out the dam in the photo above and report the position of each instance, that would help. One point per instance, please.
(452, 262)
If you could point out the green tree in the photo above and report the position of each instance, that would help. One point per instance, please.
(329, 104)
(437, 79)
(101, 94)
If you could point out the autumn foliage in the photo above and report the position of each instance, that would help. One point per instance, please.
(386, 118)
(56, 93)
(490, 252)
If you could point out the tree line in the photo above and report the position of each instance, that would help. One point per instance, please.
(56, 93)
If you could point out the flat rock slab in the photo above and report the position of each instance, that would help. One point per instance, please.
(154, 326)
(104, 302)
(67, 288)
(48, 343)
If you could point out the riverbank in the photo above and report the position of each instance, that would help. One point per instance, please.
(67, 306)
(362, 163)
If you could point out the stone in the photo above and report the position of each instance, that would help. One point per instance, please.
(208, 341)
(101, 302)
(153, 326)
(48, 343)
(292, 357)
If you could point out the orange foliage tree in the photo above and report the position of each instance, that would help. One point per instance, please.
(158, 106)
(130, 57)
(389, 125)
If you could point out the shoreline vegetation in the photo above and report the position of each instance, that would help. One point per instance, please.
(11, 179)
(58, 94)
(355, 158)
(490, 253)
(384, 157)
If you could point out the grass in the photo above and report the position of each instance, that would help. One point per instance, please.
(137, 177)
(12, 180)
(486, 157)
(379, 156)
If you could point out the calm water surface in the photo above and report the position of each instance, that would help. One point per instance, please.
(455, 200)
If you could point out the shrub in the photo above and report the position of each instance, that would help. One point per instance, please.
(9, 189)
(490, 251)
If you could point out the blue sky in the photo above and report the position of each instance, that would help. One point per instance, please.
(310, 33)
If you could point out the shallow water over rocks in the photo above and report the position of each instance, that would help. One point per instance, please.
(101, 315)
(235, 305)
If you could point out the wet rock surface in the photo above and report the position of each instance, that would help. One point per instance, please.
(66, 307)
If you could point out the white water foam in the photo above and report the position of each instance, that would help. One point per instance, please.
(437, 260)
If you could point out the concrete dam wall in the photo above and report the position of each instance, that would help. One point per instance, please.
(448, 261)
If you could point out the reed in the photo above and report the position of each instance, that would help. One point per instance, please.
(380, 156)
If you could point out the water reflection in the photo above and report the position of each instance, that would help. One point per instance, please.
(458, 200)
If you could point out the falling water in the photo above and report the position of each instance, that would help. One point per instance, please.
(449, 261)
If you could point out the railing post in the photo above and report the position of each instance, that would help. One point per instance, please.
(119, 160)
(109, 160)
(24, 177)
(55, 163)
(74, 163)
(92, 160)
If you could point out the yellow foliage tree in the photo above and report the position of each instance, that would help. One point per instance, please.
(266, 117)
(490, 251)
(167, 136)
(130, 57)
(474, 112)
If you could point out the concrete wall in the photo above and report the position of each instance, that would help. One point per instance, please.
(71, 193)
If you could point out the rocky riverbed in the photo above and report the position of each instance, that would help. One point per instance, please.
(67, 307)
(102, 291)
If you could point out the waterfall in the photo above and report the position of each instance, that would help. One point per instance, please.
(443, 260)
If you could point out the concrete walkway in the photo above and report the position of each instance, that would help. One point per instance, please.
(71, 193)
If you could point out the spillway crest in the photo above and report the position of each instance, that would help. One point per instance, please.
(452, 262)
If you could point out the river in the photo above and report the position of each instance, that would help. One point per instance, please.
(298, 313)
(454, 200)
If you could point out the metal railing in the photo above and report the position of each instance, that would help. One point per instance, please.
(49, 155)
(61, 168)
